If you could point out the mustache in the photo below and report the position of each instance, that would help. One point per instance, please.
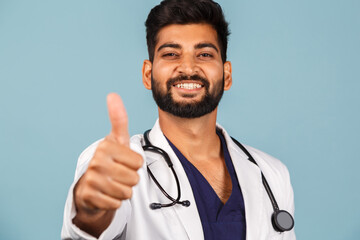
(196, 77)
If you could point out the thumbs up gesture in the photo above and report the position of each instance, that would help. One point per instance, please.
(112, 172)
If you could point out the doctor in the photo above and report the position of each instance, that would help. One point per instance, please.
(187, 73)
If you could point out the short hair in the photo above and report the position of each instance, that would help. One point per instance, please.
(186, 12)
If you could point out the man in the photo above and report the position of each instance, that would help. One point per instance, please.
(222, 193)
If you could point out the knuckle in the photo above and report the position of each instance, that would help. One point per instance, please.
(94, 180)
(87, 195)
(91, 180)
(93, 165)
(127, 193)
(100, 154)
(102, 145)
(97, 162)
(139, 160)
(135, 179)
(116, 204)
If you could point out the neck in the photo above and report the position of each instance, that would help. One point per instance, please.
(196, 138)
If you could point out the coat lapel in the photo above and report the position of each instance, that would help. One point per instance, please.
(249, 177)
(188, 216)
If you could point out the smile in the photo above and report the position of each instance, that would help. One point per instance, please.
(188, 85)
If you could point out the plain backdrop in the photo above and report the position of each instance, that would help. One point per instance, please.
(295, 95)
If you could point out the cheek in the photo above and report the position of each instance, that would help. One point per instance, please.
(161, 72)
(215, 72)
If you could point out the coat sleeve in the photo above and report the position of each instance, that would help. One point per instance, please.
(277, 174)
(70, 230)
(290, 235)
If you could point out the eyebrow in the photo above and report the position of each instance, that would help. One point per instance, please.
(169, 45)
(197, 46)
(206, 45)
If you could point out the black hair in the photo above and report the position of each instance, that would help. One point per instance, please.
(186, 12)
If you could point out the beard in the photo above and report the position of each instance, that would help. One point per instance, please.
(195, 109)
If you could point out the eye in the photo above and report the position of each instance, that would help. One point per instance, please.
(205, 55)
(170, 55)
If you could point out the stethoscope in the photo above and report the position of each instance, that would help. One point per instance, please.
(280, 219)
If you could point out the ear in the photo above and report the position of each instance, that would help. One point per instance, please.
(227, 75)
(146, 74)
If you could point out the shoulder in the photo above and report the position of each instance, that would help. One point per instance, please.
(136, 140)
(273, 169)
(136, 143)
(268, 163)
(278, 177)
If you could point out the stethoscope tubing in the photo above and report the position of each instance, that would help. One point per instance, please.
(281, 219)
(265, 183)
(149, 147)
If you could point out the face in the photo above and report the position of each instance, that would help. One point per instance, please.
(187, 76)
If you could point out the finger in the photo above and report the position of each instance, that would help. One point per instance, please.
(111, 188)
(129, 158)
(99, 200)
(118, 119)
(116, 153)
(88, 197)
(119, 191)
(124, 175)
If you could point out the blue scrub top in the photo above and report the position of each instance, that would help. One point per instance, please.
(219, 221)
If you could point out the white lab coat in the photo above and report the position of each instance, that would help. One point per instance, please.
(135, 220)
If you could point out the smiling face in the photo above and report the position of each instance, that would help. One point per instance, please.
(187, 75)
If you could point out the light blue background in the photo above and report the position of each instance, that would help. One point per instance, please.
(295, 95)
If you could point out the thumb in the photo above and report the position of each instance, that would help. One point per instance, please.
(118, 119)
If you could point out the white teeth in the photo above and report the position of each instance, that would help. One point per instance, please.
(188, 85)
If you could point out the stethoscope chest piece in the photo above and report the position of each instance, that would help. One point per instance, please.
(282, 221)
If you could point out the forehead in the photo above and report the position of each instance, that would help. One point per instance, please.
(187, 34)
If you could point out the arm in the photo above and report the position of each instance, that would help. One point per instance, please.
(92, 221)
(72, 231)
(106, 184)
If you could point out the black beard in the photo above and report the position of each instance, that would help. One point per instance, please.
(206, 105)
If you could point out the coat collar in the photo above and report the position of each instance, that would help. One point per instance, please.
(248, 174)
(249, 178)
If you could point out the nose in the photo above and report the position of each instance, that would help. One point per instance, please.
(188, 65)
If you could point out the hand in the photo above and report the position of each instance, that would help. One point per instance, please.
(112, 172)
